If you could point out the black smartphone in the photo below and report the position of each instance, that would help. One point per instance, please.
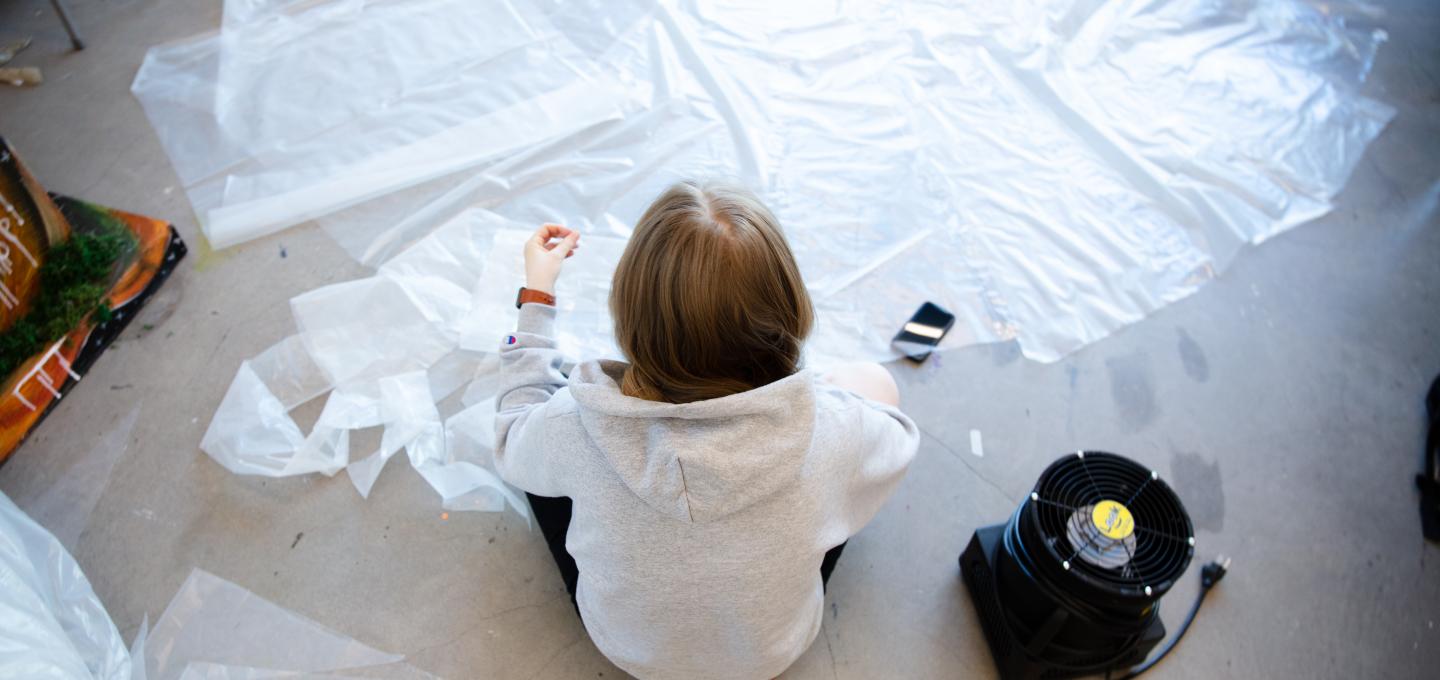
(920, 335)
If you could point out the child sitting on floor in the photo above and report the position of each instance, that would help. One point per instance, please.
(697, 497)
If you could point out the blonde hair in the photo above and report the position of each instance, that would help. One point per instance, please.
(707, 298)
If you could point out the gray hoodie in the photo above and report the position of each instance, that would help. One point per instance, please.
(698, 528)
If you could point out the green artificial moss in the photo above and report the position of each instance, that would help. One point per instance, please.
(73, 282)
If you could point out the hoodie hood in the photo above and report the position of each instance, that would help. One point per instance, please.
(701, 461)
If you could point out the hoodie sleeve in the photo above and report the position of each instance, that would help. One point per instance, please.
(529, 376)
(887, 440)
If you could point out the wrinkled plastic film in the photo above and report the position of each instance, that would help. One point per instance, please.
(288, 371)
(52, 625)
(252, 431)
(387, 349)
(291, 112)
(1080, 164)
(1050, 171)
(1187, 131)
(1257, 134)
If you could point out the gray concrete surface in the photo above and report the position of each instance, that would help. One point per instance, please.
(1282, 401)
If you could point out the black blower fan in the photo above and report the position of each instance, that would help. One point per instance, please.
(1070, 585)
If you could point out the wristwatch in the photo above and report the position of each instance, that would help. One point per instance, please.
(530, 295)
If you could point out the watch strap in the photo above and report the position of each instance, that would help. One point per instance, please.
(530, 295)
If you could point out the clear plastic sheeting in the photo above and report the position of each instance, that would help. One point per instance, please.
(51, 623)
(295, 109)
(1049, 170)
(65, 504)
(216, 630)
(388, 350)
(213, 671)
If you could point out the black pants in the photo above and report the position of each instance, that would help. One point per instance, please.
(553, 516)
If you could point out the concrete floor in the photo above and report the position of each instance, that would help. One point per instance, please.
(1283, 402)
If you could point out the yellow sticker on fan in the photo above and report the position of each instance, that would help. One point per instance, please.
(1113, 520)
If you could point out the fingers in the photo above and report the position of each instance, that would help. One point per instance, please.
(546, 237)
(550, 231)
(566, 246)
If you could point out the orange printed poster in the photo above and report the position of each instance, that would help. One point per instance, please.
(32, 222)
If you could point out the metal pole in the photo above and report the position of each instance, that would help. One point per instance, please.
(69, 26)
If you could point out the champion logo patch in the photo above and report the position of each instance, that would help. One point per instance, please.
(509, 339)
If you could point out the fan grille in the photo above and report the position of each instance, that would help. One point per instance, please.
(1153, 556)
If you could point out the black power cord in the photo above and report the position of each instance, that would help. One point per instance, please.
(1210, 575)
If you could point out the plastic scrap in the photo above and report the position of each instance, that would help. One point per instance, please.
(216, 629)
(51, 623)
(388, 349)
(65, 505)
